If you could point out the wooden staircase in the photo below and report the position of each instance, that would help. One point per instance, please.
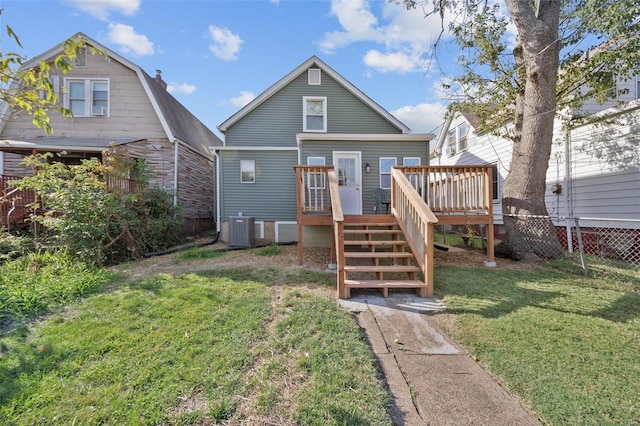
(376, 255)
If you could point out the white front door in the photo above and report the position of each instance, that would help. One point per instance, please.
(347, 166)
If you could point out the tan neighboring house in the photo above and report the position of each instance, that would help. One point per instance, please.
(114, 101)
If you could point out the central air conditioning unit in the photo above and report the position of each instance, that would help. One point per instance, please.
(241, 231)
(98, 111)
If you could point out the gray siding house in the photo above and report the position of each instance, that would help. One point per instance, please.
(312, 116)
(114, 101)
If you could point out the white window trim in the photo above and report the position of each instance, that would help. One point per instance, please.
(306, 99)
(395, 163)
(243, 169)
(496, 194)
(404, 160)
(314, 76)
(88, 108)
(454, 146)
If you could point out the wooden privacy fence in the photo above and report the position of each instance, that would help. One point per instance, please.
(14, 202)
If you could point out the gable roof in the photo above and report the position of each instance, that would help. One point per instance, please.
(178, 123)
(309, 63)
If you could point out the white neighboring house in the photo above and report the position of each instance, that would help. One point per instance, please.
(594, 169)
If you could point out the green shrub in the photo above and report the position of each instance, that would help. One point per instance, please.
(12, 246)
(97, 223)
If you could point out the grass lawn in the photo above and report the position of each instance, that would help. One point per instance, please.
(248, 338)
(195, 348)
(569, 346)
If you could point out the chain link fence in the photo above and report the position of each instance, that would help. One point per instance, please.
(611, 241)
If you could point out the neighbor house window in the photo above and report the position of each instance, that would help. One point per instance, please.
(386, 163)
(316, 180)
(638, 86)
(247, 171)
(55, 87)
(314, 114)
(457, 139)
(314, 76)
(494, 182)
(81, 58)
(88, 98)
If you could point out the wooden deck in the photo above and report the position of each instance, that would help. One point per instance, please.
(395, 250)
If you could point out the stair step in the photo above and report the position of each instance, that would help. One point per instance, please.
(372, 231)
(378, 254)
(381, 268)
(375, 242)
(369, 224)
(384, 283)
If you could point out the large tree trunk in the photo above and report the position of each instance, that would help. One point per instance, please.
(524, 187)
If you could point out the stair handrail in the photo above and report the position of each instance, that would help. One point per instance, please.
(416, 221)
(338, 229)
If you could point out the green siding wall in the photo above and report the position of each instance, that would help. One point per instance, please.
(371, 152)
(277, 121)
(271, 197)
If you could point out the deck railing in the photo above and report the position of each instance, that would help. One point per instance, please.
(416, 221)
(313, 189)
(453, 189)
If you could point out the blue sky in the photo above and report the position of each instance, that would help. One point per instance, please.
(217, 55)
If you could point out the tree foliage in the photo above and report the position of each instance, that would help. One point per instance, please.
(563, 52)
(96, 212)
(597, 40)
(30, 88)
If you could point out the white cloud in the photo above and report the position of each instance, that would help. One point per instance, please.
(357, 21)
(387, 62)
(422, 118)
(245, 97)
(184, 88)
(101, 9)
(130, 42)
(276, 2)
(225, 44)
(407, 36)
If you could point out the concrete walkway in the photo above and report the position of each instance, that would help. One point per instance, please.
(432, 379)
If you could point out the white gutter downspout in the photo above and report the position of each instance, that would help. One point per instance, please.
(218, 217)
(175, 172)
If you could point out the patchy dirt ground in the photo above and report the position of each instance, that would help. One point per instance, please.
(314, 258)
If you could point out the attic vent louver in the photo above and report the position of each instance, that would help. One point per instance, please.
(314, 76)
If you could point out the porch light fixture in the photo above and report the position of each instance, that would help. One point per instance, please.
(367, 168)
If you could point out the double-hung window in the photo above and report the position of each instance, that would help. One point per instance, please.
(386, 163)
(457, 139)
(495, 183)
(88, 97)
(247, 171)
(314, 114)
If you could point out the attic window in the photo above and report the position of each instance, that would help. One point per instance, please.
(315, 75)
(81, 58)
